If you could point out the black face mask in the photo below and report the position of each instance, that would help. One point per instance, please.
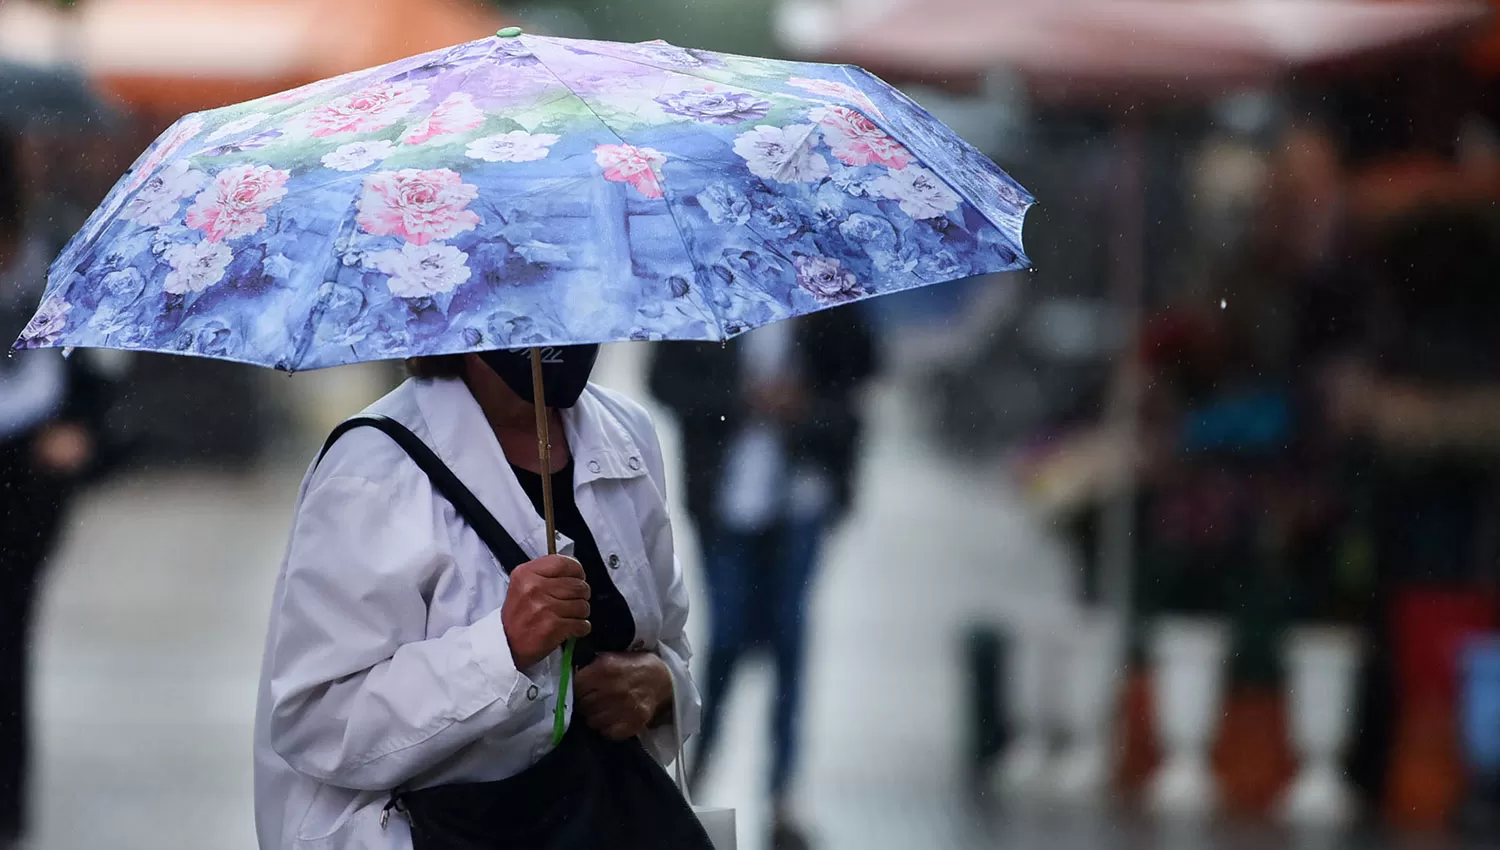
(565, 371)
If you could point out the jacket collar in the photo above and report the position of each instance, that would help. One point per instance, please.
(601, 444)
(601, 447)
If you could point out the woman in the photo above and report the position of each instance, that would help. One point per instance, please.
(408, 681)
(46, 444)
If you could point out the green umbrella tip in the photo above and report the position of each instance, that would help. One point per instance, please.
(509, 32)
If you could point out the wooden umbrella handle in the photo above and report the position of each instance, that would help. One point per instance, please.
(544, 452)
(544, 447)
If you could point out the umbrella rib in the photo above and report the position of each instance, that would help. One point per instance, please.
(688, 71)
(676, 224)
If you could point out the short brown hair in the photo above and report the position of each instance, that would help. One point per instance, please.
(436, 366)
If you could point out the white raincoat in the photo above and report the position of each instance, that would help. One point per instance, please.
(386, 663)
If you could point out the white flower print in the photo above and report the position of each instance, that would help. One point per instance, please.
(417, 271)
(784, 154)
(826, 279)
(196, 267)
(921, 193)
(516, 146)
(159, 197)
(47, 325)
(357, 156)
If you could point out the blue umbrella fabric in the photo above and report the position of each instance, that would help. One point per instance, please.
(520, 191)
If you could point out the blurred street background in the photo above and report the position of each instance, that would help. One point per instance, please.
(1189, 537)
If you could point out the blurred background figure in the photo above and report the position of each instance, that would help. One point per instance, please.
(50, 413)
(771, 426)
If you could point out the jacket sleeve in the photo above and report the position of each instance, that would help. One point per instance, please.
(361, 697)
(673, 647)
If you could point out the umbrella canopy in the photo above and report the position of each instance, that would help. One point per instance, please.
(167, 57)
(1144, 44)
(50, 99)
(523, 191)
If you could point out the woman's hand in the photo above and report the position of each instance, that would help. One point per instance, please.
(622, 693)
(547, 603)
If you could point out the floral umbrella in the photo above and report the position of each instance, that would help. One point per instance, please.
(520, 191)
(517, 192)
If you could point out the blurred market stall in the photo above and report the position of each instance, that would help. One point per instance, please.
(1140, 62)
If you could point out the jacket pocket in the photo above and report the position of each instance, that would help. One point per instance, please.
(337, 814)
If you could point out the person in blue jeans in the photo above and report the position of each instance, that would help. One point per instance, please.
(770, 426)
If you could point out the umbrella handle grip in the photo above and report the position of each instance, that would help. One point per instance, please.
(560, 717)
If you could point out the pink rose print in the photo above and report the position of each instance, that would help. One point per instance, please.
(838, 91)
(855, 140)
(171, 142)
(365, 111)
(629, 164)
(235, 204)
(419, 206)
(456, 114)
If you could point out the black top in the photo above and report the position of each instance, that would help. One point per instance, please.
(700, 383)
(614, 626)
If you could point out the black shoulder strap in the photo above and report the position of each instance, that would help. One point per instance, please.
(489, 529)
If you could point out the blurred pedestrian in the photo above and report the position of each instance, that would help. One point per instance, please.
(770, 427)
(46, 444)
(405, 672)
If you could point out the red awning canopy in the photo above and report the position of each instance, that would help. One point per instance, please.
(167, 57)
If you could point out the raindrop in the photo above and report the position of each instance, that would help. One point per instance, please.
(1223, 303)
(721, 417)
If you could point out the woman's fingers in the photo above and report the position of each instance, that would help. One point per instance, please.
(597, 694)
(573, 629)
(555, 566)
(588, 680)
(567, 588)
(570, 609)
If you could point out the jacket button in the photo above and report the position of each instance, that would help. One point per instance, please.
(635, 463)
(594, 466)
(531, 692)
(614, 561)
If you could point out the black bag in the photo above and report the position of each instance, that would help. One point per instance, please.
(589, 793)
